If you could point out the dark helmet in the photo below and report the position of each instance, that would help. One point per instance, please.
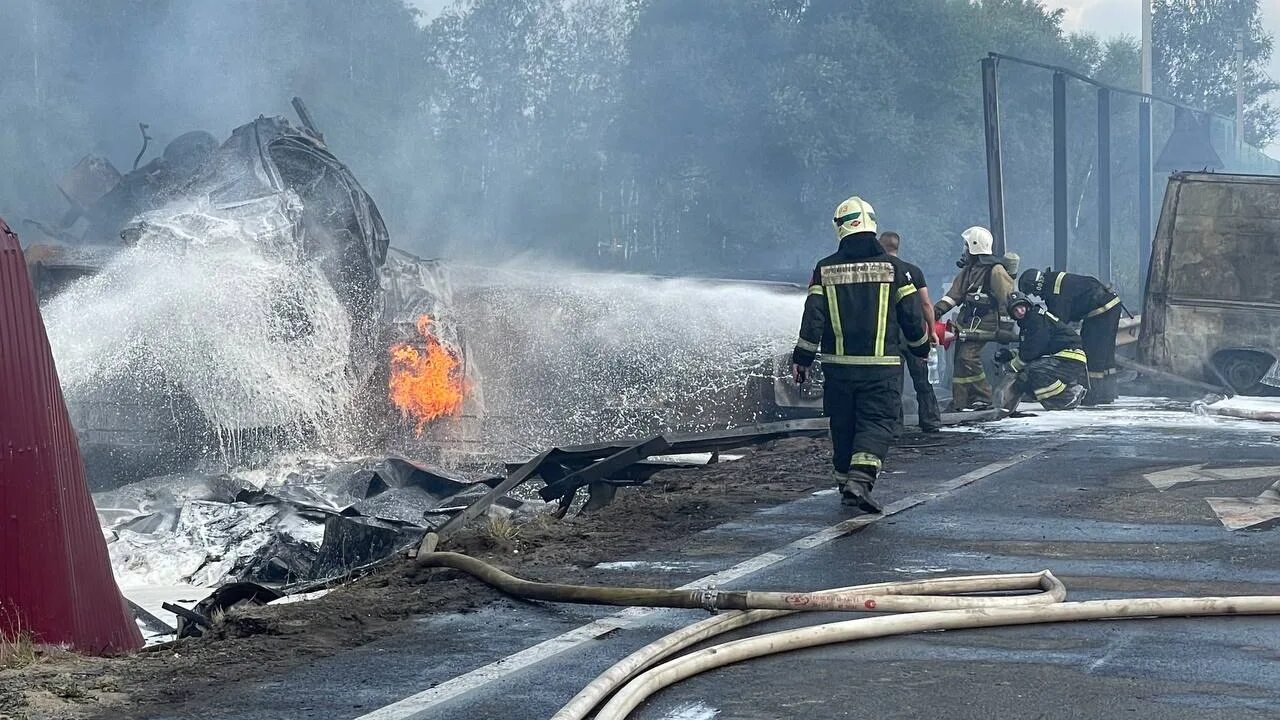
(1016, 298)
(1031, 282)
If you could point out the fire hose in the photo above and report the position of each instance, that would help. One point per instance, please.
(637, 690)
(936, 594)
(936, 604)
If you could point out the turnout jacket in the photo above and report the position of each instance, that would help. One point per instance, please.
(1076, 297)
(859, 300)
(981, 274)
(1042, 334)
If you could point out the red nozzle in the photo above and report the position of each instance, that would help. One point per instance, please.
(946, 333)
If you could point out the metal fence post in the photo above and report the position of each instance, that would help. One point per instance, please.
(995, 170)
(1059, 171)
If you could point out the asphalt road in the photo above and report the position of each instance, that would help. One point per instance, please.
(1076, 501)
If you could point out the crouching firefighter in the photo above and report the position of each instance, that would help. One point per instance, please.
(1083, 299)
(980, 290)
(1050, 364)
(859, 300)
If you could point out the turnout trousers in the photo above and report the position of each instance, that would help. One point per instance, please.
(1098, 334)
(1048, 378)
(862, 404)
(927, 411)
(968, 378)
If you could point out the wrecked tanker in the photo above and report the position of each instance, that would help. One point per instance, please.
(279, 257)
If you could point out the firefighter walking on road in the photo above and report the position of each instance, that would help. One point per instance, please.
(980, 291)
(1050, 364)
(1086, 300)
(859, 301)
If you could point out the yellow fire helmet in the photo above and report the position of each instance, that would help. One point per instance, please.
(854, 215)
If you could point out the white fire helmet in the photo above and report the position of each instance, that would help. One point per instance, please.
(977, 240)
(854, 215)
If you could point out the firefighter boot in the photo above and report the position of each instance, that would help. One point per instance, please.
(1105, 389)
(1072, 397)
(1007, 394)
(856, 492)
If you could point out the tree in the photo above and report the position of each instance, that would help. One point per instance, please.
(708, 137)
(1193, 58)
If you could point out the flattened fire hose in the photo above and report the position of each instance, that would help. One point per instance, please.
(938, 594)
(936, 603)
(636, 691)
(584, 702)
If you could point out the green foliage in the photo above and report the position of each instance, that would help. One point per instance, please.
(1194, 59)
(708, 137)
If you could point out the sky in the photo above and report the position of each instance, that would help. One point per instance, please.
(432, 8)
(1109, 18)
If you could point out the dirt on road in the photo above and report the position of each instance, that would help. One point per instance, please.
(252, 644)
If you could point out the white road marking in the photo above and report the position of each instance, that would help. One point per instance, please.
(1239, 513)
(693, 711)
(450, 689)
(1236, 513)
(1165, 479)
(646, 565)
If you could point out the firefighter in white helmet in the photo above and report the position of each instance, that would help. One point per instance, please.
(860, 299)
(980, 291)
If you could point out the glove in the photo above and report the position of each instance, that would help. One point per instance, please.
(1004, 356)
(799, 373)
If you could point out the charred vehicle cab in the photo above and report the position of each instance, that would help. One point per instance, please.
(1212, 307)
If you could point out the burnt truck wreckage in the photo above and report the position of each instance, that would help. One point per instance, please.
(218, 500)
(1212, 307)
(280, 188)
(278, 191)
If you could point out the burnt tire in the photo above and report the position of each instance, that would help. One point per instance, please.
(1244, 370)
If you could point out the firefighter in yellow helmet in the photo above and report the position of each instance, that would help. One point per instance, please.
(980, 291)
(859, 300)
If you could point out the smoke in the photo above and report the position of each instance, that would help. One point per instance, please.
(202, 308)
(77, 78)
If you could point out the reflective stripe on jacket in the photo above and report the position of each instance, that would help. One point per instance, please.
(1076, 297)
(859, 300)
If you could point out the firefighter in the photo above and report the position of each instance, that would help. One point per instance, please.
(927, 412)
(980, 290)
(859, 300)
(1086, 300)
(1050, 362)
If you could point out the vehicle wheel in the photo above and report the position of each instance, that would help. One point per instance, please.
(1243, 369)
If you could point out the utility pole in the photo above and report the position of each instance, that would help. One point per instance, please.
(1146, 46)
(1239, 93)
(1145, 236)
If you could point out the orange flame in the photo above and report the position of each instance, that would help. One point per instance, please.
(426, 383)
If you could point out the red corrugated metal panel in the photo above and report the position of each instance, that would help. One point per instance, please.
(55, 576)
